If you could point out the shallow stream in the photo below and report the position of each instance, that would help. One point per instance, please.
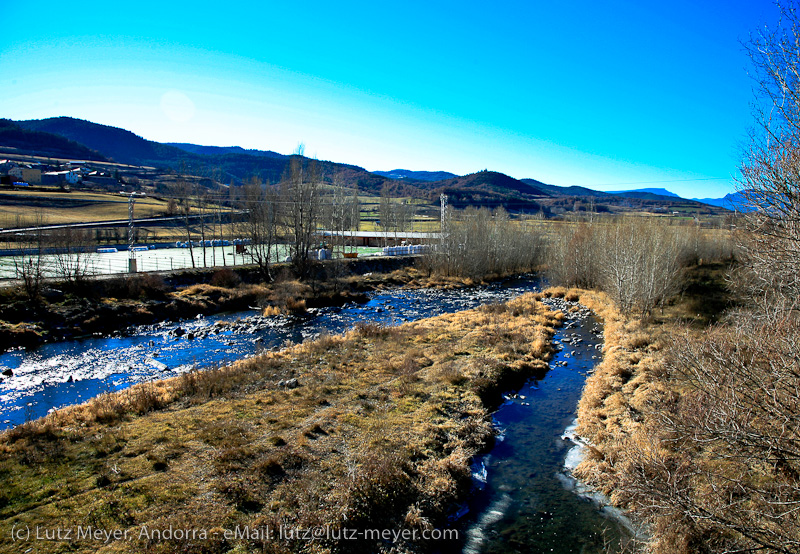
(527, 500)
(70, 372)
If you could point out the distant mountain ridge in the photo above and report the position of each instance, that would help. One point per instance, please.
(80, 139)
(564, 191)
(219, 150)
(732, 201)
(655, 191)
(416, 175)
(225, 164)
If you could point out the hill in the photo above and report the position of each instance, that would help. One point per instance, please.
(219, 150)
(118, 144)
(43, 143)
(490, 189)
(416, 175)
(223, 164)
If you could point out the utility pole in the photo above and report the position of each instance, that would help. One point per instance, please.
(131, 255)
(443, 211)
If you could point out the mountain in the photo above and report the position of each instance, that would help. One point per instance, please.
(731, 201)
(75, 138)
(44, 144)
(416, 175)
(556, 190)
(654, 191)
(218, 150)
(489, 189)
(643, 195)
(224, 164)
(118, 144)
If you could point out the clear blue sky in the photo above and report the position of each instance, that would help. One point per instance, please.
(599, 94)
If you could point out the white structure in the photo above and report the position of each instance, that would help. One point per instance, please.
(71, 176)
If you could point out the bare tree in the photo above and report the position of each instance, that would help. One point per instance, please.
(386, 211)
(479, 243)
(771, 165)
(300, 198)
(72, 253)
(722, 470)
(260, 224)
(182, 190)
(639, 262)
(337, 214)
(29, 265)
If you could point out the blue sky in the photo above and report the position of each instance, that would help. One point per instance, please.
(610, 95)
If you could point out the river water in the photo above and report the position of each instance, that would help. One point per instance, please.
(524, 499)
(70, 372)
(527, 500)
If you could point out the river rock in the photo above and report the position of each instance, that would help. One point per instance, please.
(289, 384)
(8, 372)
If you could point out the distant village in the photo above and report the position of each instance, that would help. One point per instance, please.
(63, 175)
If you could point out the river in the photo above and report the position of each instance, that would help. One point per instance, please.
(524, 499)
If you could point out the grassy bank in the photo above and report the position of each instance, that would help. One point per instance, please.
(374, 429)
(638, 410)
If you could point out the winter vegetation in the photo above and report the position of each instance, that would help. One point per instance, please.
(639, 262)
(480, 244)
(374, 429)
(696, 429)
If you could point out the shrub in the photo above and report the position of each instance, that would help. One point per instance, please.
(226, 278)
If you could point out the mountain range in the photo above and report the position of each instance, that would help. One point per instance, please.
(72, 138)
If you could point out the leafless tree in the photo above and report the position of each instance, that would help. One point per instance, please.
(479, 243)
(337, 214)
(300, 198)
(260, 224)
(723, 471)
(29, 266)
(73, 250)
(182, 192)
(771, 165)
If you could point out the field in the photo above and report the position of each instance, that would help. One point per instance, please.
(59, 207)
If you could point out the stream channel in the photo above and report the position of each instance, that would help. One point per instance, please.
(524, 502)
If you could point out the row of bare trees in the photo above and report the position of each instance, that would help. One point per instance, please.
(63, 255)
(638, 261)
(478, 243)
(286, 218)
(396, 215)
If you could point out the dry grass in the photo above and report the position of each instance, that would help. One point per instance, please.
(616, 395)
(621, 414)
(378, 433)
(74, 207)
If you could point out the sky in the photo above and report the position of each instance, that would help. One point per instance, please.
(611, 95)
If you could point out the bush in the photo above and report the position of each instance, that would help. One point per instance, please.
(226, 278)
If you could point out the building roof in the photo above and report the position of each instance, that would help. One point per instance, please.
(380, 234)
